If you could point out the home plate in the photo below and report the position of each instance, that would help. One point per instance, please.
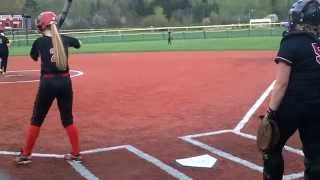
(203, 161)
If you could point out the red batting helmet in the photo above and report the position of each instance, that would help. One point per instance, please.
(45, 19)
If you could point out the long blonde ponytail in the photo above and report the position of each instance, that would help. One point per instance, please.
(59, 54)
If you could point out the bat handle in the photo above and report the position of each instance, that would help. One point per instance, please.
(64, 13)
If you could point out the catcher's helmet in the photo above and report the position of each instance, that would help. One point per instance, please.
(45, 19)
(304, 12)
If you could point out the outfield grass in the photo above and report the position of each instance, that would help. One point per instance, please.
(219, 44)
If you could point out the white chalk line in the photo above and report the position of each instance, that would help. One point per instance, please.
(10, 153)
(78, 73)
(238, 160)
(254, 108)
(17, 75)
(99, 150)
(237, 131)
(85, 172)
(79, 168)
(293, 176)
(252, 137)
(208, 134)
(170, 170)
(82, 170)
(223, 154)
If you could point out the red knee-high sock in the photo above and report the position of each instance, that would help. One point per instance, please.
(32, 135)
(73, 135)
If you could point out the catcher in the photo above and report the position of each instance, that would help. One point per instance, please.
(296, 95)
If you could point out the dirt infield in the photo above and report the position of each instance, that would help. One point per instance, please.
(133, 110)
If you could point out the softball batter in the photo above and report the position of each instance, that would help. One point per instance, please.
(55, 83)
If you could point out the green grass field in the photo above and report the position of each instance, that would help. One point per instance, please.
(219, 44)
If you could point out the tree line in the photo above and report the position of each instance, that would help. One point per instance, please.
(146, 13)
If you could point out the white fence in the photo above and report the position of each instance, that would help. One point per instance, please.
(161, 33)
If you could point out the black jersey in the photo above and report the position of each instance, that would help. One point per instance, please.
(302, 52)
(43, 48)
(3, 44)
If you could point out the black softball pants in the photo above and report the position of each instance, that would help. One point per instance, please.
(56, 87)
(4, 62)
(305, 118)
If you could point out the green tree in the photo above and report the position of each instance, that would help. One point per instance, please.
(157, 19)
(130, 13)
(31, 8)
(142, 8)
(274, 6)
(203, 9)
(11, 6)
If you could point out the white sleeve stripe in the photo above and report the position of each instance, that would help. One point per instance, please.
(284, 59)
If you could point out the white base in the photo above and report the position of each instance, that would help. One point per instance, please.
(203, 161)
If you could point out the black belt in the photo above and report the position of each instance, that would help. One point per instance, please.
(48, 76)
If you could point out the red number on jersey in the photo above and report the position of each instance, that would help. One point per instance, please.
(52, 55)
(316, 49)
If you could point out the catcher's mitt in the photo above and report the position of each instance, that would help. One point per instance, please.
(268, 135)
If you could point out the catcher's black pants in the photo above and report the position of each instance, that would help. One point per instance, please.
(53, 87)
(292, 116)
(4, 62)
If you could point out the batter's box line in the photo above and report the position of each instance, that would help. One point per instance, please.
(85, 172)
(254, 108)
(78, 73)
(190, 139)
(245, 135)
(237, 130)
